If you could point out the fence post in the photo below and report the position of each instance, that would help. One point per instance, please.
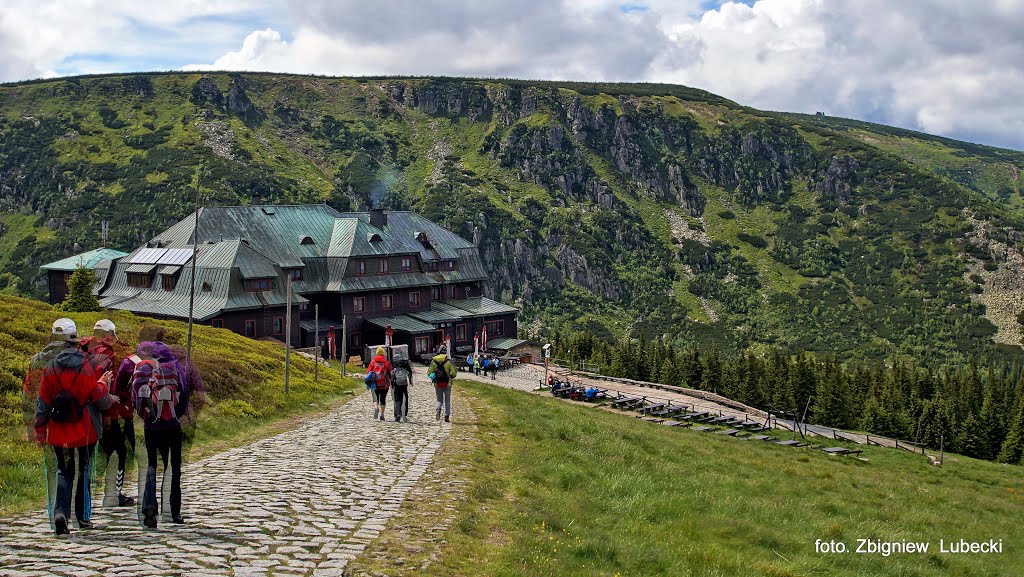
(942, 448)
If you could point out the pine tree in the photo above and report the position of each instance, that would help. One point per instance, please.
(1013, 447)
(80, 298)
(969, 442)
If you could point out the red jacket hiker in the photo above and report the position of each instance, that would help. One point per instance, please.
(69, 371)
(381, 364)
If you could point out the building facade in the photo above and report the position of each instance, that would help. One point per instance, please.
(373, 269)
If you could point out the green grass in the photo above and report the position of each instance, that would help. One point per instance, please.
(560, 490)
(244, 380)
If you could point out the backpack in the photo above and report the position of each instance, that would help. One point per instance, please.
(159, 390)
(375, 376)
(402, 377)
(100, 354)
(440, 374)
(65, 407)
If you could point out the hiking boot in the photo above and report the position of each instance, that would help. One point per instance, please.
(382, 416)
(85, 525)
(446, 419)
(149, 517)
(376, 412)
(60, 525)
(437, 417)
(178, 520)
(123, 501)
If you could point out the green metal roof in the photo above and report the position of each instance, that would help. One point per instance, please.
(325, 325)
(483, 306)
(403, 323)
(353, 237)
(87, 259)
(504, 343)
(140, 268)
(438, 313)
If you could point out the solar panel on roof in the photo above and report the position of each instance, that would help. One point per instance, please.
(147, 256)
(175, 256)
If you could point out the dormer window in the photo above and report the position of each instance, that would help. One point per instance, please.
(373, 237)
(139, 280)
(360, 267)
(168, 281)
(449, 265)
(306, 240)
(295, 273)
(432, 266)
(383, 266)
(206, 287)
(255, 285)
(406, 264)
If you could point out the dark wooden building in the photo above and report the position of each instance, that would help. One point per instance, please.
(58, 274)
(373, 269)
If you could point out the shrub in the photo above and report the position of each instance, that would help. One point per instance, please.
(727, 214)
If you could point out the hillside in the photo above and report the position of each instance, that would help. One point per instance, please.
(618, 209)
(607, 494)
(244, 382)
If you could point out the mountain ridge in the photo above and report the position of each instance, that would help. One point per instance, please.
(621, 209)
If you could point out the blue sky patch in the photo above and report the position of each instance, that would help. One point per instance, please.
(633, 8)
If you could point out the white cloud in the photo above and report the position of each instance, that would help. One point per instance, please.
(955, 68)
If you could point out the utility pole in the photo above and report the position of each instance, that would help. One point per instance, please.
(192, 291)
(288, 335)
(316, 341)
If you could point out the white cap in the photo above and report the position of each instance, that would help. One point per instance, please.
(104, 325)
(66, 328)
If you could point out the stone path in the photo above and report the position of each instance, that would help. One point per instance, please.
(304, 502)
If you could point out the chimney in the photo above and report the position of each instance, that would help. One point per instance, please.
(378, 218)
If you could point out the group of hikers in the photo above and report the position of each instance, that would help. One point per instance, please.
(485, 363)
(382, 375)
(84, 393)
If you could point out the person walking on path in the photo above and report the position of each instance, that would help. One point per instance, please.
(160, 395)
(69, 396)
(106, 353)
(495, 363)
(477, 364)
(442, 373)
(378, 380)
(402, 378)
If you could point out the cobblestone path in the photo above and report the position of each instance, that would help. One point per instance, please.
(304, 502)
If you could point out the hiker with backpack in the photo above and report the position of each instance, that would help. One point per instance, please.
(106, 353)
(68, 399)
(442, 373)
(402, 378)
(378, 380)
(160, 395)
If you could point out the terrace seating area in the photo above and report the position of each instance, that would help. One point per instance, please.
(675, 414)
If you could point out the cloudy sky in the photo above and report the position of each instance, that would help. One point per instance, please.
(947, 67)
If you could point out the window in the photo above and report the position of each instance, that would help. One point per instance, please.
(449, 265)
(257, 284)
(432, 266)
(359, 304)
(450, 291)
(387, 302)
(422, 344)
(137, 279)
(460, 333)
(406, 264)
(250, 329)
(495, 328)
(360, 267)
(206, 287)
(278, 326)
(435, 293)
(355, 340)
(217, 323)
(414, 299)
(304, 307)
(383, 266)
(168, 280)
(295, 273)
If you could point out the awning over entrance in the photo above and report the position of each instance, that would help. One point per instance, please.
(404, 323)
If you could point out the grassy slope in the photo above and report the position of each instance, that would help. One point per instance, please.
(559, 490)
(244, 380)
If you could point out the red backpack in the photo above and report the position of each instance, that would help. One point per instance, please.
(159, 389)
(100, 354)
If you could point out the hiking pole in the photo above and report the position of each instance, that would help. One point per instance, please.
(49, 498)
